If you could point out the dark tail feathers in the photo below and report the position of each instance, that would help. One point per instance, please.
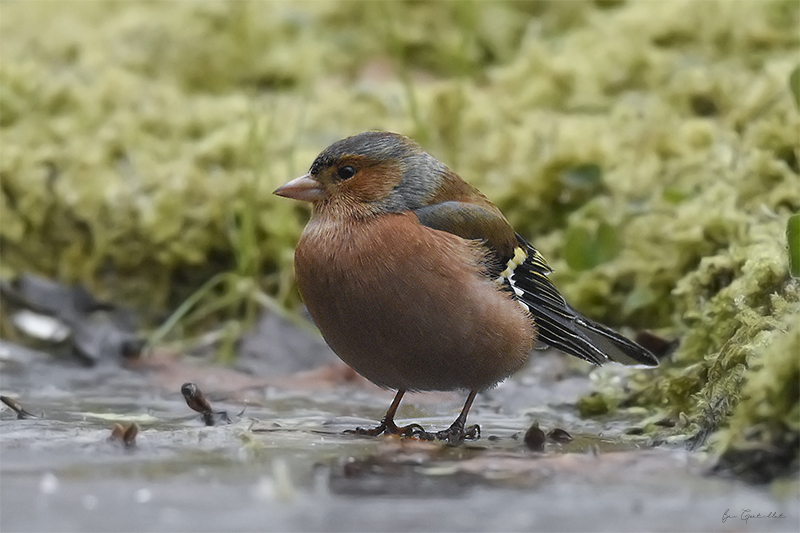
(560, 326)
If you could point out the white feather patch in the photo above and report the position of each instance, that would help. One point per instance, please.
(519, 257)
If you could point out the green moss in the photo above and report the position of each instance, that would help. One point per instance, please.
(649, 151)
(793, 244)
(761, 439)
(595, 405)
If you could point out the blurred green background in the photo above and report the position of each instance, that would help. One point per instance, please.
(648, 149)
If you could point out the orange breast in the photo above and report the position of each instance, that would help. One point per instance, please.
(407, 306)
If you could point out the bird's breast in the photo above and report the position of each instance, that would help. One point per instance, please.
(409, 307)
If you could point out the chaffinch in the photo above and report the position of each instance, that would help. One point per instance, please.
(417, 281)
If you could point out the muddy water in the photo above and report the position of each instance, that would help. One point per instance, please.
(285, 465)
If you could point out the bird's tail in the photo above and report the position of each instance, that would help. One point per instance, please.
(615, 347)
(559, 325)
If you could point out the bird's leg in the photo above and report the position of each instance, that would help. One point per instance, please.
(457, 433)
(387, 425)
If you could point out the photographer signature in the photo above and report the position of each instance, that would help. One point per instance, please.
(747, 514)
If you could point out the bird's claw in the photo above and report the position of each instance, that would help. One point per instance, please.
(388, 427)
(455, 434)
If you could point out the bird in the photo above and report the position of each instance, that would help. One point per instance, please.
(418, 282)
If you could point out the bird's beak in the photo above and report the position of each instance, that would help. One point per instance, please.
(303, 188)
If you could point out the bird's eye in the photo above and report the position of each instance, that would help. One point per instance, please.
(346, 172)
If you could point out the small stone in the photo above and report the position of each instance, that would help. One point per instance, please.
(535, 438)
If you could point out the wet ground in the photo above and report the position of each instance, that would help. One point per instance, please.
(284, 464)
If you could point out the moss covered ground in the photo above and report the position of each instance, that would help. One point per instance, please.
(649, 149)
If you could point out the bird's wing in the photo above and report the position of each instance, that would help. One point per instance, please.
(475, 222)
(522, 270)
(559, 324)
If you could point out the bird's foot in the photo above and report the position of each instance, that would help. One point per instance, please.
(455, 434)
(388, 427)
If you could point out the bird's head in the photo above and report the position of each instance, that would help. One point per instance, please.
(374, 171)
